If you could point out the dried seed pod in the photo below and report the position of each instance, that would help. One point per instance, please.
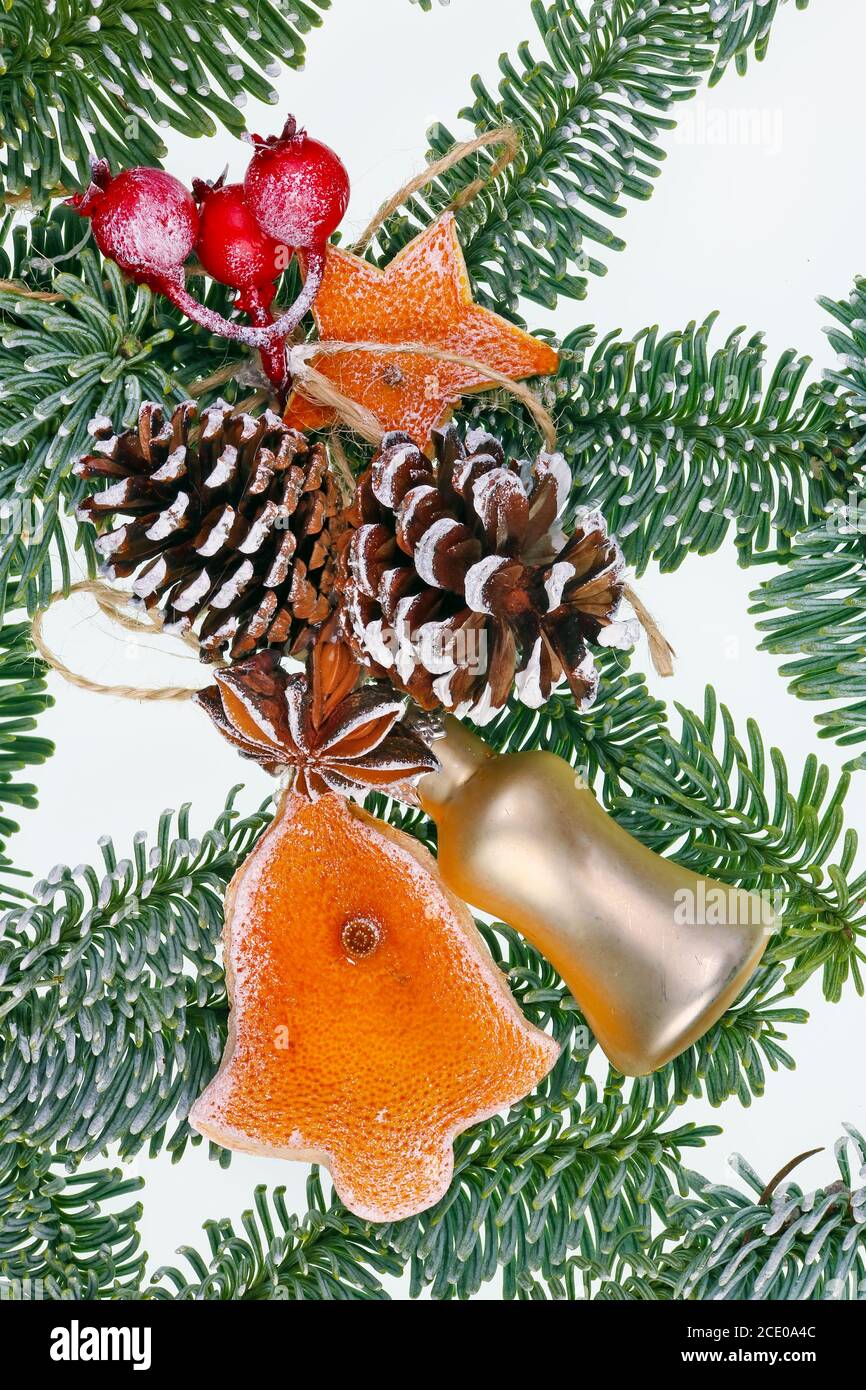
(336, 737)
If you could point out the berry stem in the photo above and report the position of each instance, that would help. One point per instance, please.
(285, 325)
(238, 332)
(255, 302)
(181, 298)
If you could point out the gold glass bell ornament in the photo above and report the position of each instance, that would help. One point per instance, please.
(522, 839)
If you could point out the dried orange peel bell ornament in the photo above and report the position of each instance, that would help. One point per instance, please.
(423, 297)
(369, 1024)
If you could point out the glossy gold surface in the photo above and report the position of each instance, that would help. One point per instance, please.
(521, 839)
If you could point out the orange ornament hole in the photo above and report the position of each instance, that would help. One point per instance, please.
(360, 937)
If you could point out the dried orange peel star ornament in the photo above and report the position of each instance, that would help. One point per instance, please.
(369, 1024)
(423, 297)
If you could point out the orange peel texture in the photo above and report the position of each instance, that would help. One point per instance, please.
(423, 296)
(369, 1023)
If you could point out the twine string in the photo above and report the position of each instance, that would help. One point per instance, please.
(341, 468)
(22, 292)
(507, 135)
(114, 604)
(321, 391)
(661, 652)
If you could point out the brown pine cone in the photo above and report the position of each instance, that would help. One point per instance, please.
(235, 524)
(460, 584)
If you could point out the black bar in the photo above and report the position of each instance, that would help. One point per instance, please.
(648, 1337)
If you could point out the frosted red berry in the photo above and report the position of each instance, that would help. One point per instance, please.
(143, 219)
(296, 188)
(231, 245)
(234, 250)
(149, 224)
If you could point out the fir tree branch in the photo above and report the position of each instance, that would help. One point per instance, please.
(848, 380)
(722, 1244)
(529, 1189)
(22, 699)
(681, 443)
(599, 742)
(525, 1191)
(75, 81)
(57, 1240)
(742, 25)
(817, 608)
(61, 365)
(590, 112)
(816, 604)
(77, 341)
(330, 1256)
(112, 1002)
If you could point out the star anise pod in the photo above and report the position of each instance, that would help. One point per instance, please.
(336, 736)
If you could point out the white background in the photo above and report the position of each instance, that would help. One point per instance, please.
(754, 228)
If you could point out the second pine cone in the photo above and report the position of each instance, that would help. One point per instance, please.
(460, 585)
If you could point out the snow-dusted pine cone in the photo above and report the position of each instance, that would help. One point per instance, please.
(460, 584)
(234, 523)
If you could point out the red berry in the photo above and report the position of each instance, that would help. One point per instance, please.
(147, 223)
(296, 188)
(231, 245)
(144, 220)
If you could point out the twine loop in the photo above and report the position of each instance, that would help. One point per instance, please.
(320, 390)
(508, 136)
(114, 604)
